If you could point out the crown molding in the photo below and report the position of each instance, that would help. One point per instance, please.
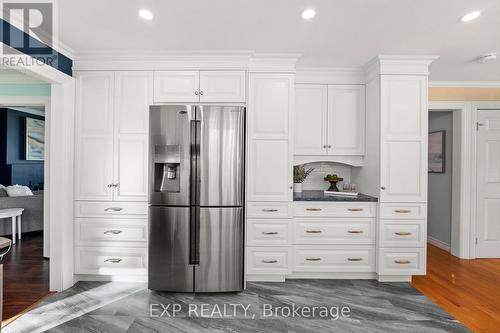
(398, 65)
(464, 84)
(330, 75)
(193, 60)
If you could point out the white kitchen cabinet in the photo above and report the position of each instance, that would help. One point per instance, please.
(269, 148)
(311, 105)
(199, 86)
(94, 135)
(330, 120)
(176, 86)
(112, 144)
(133, 96)
(270, 106)
(346, 120)
(403, 149)
(270, 171)
(222, 86)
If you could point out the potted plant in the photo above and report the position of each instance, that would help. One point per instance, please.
(299, 175)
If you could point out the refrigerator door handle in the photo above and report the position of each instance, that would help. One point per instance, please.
(195, 162)
(194, 235)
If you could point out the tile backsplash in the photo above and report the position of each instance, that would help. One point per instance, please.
(315, 180)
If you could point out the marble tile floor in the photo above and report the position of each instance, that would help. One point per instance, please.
(320, 306)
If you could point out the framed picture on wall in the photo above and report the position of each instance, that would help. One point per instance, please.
(35, 139)
(437, 144)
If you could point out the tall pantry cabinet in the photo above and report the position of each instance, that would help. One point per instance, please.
(111, 185)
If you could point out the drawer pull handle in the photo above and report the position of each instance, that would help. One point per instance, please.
(314, 231)
(313, 209)
(269, 210)
(355, 209)
(313, 259)
(355, 231)
(112, 232)
(403, 233)
(402, 262)
(269, 261)
(402, 211)
(113, 209)
(269, 232)
(113, 261)
(354, 259)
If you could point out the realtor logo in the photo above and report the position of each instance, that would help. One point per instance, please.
(31, 29)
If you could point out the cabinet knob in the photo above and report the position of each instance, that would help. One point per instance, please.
(202, 93)
(382, 187)
(196, 93)
(329, 146)
(110, 185)
(291, 187)
(325, 146)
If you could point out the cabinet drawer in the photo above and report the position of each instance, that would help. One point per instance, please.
(403, 211)
(111, 261)
(268, 260)
(406, 233)
(272, 232)
(334, 259)
(345, 209)
(398, 261)
(269, 210)
(334, 231)
(111, 232)
(111, 208)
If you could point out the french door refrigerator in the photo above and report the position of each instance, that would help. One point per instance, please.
(196, 203)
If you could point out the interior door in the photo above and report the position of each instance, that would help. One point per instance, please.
(488, 184)
(221, 247)
(169, 249)
(221, 141)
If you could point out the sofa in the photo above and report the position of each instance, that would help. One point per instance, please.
(32, 218)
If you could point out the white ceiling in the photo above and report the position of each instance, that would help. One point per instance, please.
(344, 33)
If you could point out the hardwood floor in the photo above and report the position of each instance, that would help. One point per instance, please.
(467, 289)
(26, 275)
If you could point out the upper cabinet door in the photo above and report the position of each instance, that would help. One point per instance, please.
(222, 86)
(403, 107)
(133, 96)
(310, 119)
(176, 86)
(270, 105)
(403, 134)
(346, 120)
(94, 136)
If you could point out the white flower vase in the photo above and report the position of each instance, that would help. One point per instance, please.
(297, 187)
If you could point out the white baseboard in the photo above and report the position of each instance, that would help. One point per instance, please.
(111, 278)
(438, 243)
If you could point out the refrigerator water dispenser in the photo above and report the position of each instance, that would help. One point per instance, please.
(167, 161)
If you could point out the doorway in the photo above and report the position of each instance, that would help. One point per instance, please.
(440, 179)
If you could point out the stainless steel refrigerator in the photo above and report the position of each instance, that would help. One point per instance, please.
(196, 198)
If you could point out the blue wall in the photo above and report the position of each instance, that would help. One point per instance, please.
(14, 169)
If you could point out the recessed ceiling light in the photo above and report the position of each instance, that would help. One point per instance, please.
(145, 14)
(308, 14)
(471, 16)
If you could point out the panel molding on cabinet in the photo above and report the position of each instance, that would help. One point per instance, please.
(346, 120)
(94, 135)
(176, 86)
(269, 171)
(311, 108)
(222, 86)
(270, 106)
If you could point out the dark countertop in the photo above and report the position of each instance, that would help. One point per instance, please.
(320, 196)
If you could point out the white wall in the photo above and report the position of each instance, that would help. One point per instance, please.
(440, 185)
